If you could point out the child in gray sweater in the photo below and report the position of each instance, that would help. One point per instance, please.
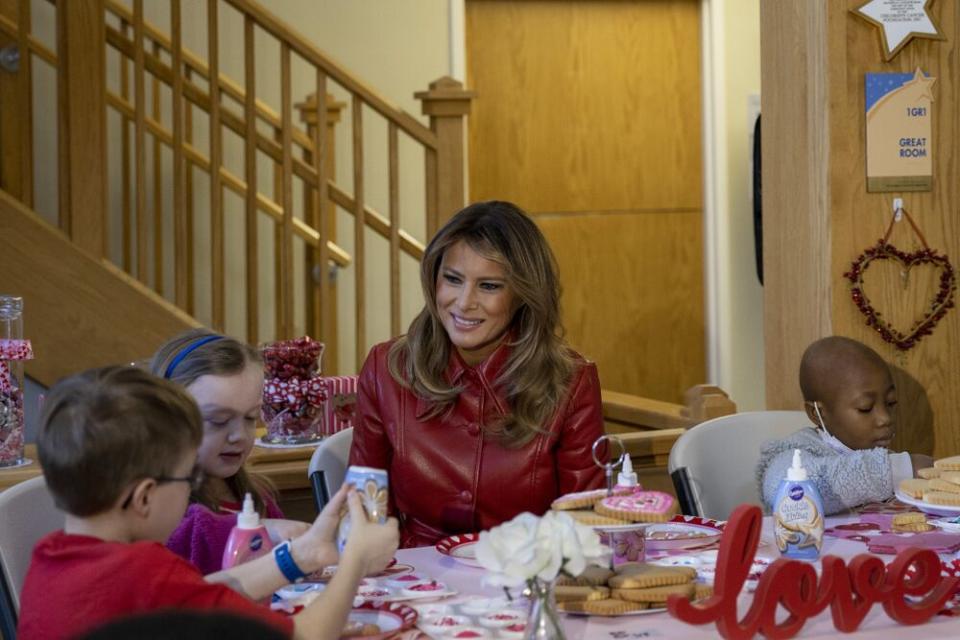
(850, 398)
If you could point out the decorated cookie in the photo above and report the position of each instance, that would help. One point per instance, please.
(582, 499)
(642, 506)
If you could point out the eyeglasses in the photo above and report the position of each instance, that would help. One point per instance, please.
(195, 480)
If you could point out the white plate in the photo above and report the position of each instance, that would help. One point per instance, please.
(641, 612)
(681, 536)
(462, 548)
(947, 524)
(926, 507)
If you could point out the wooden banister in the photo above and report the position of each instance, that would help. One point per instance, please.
(283, 32)
(447, 104)
(164, 95)
(649, 427)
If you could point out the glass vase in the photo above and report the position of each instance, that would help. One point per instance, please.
(543, 621)
(12, 353)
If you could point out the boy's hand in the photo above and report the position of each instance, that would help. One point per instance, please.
(281, 529)
(370, 543)
(920, 461)
(316, 548)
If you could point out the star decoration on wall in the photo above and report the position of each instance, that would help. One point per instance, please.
(899, 21)
(925, 84)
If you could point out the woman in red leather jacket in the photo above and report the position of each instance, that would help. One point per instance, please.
(480, 411)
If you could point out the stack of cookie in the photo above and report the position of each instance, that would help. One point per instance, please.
(913, 522)
(939, 484)
(595, 508)
(631, 587)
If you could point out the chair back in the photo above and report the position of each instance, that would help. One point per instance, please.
(713, 464)
(328, 466)
(27, 513)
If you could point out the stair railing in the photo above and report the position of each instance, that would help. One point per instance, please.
(154, 135)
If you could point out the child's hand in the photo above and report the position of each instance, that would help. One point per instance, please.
(920, 461)
(281, 529)
(370, 543)
(317, 546)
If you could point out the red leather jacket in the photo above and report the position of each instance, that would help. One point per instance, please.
(445, 478)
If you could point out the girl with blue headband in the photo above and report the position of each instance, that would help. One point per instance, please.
(225, 377)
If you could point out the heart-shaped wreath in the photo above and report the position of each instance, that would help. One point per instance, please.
(941, 303)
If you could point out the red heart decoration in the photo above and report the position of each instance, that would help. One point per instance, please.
(941, 303)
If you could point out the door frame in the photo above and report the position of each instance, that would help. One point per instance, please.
(714, 144)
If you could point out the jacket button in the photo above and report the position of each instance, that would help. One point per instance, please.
(473, 429)
(466, 496)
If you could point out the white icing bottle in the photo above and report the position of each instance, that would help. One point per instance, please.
(798, 514)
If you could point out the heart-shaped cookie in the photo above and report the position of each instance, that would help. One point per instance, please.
(639, 506)
(926, 319)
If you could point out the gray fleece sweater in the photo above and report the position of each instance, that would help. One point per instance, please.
(845, 480)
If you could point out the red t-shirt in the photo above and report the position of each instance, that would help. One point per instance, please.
(76, 583)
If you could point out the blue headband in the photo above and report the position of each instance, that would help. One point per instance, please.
(190, 348)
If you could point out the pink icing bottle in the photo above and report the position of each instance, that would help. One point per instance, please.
(248, 539)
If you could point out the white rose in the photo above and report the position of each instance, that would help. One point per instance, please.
(550, 538)
(511, 552)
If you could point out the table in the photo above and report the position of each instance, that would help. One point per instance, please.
(286, 468)
(467, 581)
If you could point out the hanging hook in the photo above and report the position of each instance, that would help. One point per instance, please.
(897, 209)
(608, 467)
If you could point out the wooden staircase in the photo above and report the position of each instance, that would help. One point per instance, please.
(146, 253)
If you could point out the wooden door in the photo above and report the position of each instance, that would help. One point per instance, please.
(588, 116)
(16, 137)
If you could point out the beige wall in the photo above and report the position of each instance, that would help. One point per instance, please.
(740, 296)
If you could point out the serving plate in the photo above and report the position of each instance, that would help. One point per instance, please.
(926, 507)
(391, 617)
(681, 532)
(462, 548)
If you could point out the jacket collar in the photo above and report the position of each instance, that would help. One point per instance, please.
(484, 375)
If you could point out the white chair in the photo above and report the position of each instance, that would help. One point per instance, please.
(27, 513)
(328, 466)
(712, 465)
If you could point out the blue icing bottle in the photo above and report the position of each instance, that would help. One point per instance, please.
(798, 514)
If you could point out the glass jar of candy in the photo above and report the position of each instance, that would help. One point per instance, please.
(13, 351)
(293, 392)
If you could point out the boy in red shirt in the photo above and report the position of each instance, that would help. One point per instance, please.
(118, 448)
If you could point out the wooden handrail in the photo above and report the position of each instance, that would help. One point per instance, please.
(236, 184)
(298, 158)
(284, 33)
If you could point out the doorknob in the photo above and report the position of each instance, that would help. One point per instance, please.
(10, 58)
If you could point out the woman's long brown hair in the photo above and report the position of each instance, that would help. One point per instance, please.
(540, 365)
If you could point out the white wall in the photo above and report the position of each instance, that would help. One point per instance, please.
(735, 305)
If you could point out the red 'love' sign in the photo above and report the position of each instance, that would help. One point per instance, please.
(849, 591)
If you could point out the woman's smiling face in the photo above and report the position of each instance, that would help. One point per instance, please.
(474, 300)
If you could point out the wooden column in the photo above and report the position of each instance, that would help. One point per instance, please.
(818, 216)
(447, 103)
(82, 123)
(321, 302)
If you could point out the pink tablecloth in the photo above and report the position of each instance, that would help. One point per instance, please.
(467, 581)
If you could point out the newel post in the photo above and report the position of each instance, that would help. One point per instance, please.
(82, 123)
(447, 103)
